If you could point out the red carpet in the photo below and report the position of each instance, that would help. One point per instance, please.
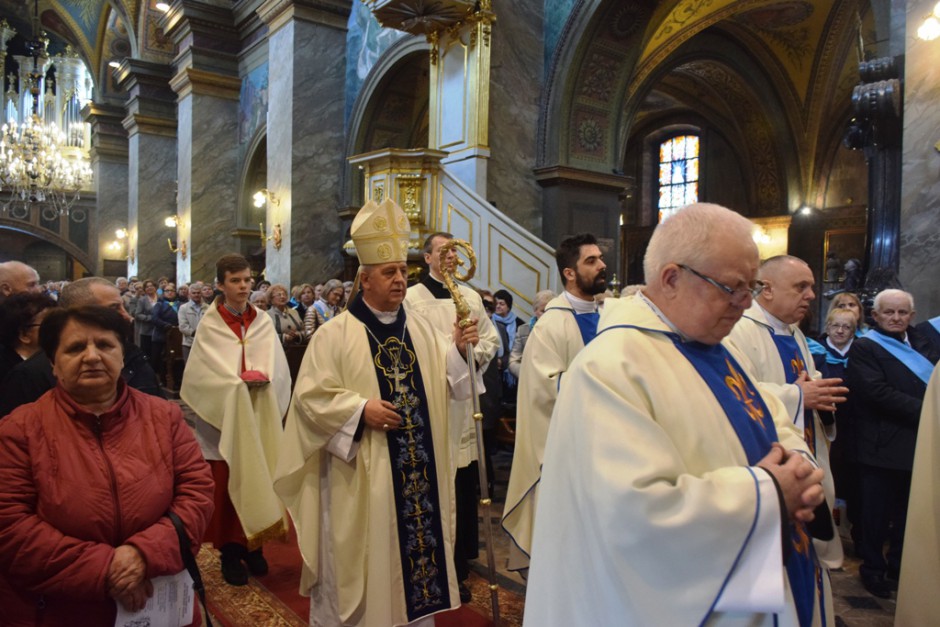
(273, 600)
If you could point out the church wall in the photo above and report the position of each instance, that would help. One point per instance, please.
(920, 188)
(516, 83)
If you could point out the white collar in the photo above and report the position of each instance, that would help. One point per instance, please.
(842, 352)
(385, 317)
(662, 316)
(779, 327)
(580, 305)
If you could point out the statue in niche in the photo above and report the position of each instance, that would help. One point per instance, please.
(853, 275)
(833, 266)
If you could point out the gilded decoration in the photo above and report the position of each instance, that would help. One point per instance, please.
(378, 192)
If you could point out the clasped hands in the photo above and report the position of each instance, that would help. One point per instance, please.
(125, 581)
(799, 481)
(822, 394)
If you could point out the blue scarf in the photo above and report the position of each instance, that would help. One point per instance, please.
(919, 365)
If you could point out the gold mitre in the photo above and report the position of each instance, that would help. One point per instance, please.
(380, 233)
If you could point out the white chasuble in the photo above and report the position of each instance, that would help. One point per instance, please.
(345, 511)
(248, 419)
(648, 510)
(552, 345)
(918, 601)
(442, 313)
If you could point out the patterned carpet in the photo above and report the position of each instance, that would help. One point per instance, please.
(255, 605)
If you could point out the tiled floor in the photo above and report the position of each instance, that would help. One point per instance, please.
(854, 607)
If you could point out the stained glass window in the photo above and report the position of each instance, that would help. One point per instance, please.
(678, 174)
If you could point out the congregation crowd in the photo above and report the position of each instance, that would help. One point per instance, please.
(691, 435)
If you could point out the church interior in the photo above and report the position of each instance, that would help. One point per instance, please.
(202, 128)
(189, 129)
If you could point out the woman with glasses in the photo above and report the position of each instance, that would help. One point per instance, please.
(831, 355)
(847, 301)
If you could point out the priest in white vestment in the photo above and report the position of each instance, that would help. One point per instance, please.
(918, 601)
(238, 383)
(431, 299)
(673, 492)
(367, 470)
(769, 336)
(569, 322)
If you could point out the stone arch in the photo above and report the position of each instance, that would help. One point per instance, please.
(406, 56)
(253, 177)
(35, 237)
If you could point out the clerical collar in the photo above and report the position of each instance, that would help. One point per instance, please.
(580, 305)
(385, 317)
(662, 316)
(779, 327)
(841, 351)
(436, 287)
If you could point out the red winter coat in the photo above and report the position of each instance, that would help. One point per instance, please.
(73, 487)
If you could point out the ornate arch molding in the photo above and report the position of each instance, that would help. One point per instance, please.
(754, 104)
(365, 101)
(596, 52)
(41, 234)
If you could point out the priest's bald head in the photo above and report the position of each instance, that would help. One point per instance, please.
(701, 269)
(380, 233)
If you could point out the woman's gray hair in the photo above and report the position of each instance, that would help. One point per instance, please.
(687, 236)
(542, 298)
(329, 286)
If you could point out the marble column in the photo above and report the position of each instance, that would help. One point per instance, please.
(109, 162)
(207, 86)
(920, 186)
(151, 183)
(305, 134)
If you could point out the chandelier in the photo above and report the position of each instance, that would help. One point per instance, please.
(41, 166)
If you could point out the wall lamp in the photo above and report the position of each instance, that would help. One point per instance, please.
(930, 28)
(262, 196)
(175, 222)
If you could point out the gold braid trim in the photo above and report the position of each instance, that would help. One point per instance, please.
(277, 531)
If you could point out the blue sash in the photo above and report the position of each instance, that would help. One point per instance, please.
(915, 362)
(935, 323)
(587, 324)
(754, 426)
(793, 365)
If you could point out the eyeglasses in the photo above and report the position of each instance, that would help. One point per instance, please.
(841, 327)
(738, 295)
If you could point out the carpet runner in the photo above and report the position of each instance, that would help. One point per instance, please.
(273, 600)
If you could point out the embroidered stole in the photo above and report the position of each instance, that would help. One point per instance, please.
(754, 426)
(414, 470)
(792, 359)
(919, 365)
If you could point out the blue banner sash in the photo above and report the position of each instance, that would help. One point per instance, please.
(914, 361)
(935, 323)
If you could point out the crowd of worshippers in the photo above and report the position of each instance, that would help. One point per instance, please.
(687, 436)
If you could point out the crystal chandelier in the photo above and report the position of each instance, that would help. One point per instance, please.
(41, 166)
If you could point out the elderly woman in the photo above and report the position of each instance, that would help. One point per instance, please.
(305, 299)
(287, 322)
(847, 301)
(329, 304)
(143, 317)
(20, 316)
(260, 300)
(88, 474)
(522, 333)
